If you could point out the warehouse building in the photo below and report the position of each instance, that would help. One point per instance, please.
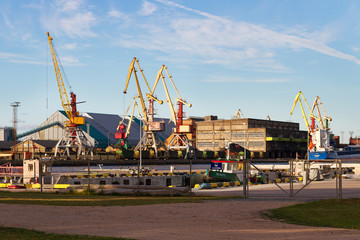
(99, 128)
(263, 138)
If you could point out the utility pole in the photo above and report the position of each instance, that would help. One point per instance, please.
(342, 137)
(15, 105)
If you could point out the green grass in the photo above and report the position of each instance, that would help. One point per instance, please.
(24, 234)
(344, 213)
(93, 199)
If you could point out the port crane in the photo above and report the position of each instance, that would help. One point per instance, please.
(318, 138)
(239, 114)
(298, 100)
(311, 115)
(121, 133)
(324, 123)
(74, 137)
(178, 139)
(150, 139)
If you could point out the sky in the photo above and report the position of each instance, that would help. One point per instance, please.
(222, 55)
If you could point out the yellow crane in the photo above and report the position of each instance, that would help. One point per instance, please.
(74, 136)
(121, 134)
(298, 100)
(132, 71)
(316, 104)
(178, 139)
(239, 114)
(70, 108)
(150, 140)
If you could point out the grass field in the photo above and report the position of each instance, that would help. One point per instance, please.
(93, 199)
(344, 213)
(24, 234)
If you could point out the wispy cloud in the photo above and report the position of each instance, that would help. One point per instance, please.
(116, 14)
(70, 17)
(69, 46)
(215, 39)
(222, 79)
(69, 5)
(23, 59)
(7, 21)
(18, 58)
(148, 8)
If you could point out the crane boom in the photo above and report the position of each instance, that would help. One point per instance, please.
(239, 114)
(179, 99)
(63, 94)
(297, 99)
(140, 95)
(134, 105)
(171, 106)
(316, 104)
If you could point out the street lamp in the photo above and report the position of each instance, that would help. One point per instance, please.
(140, 144)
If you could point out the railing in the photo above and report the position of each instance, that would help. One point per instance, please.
(9, 170)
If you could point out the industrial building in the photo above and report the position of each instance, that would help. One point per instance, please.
(35, 146)
(266, 138)
(99, 128)
(5, 133)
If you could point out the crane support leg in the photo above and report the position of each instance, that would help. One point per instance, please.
(76, 141)
(181, 141)
(150, 140)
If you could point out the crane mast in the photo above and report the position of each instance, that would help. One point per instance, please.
(74, 137)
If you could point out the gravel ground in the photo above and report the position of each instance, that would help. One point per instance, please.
(221, 219)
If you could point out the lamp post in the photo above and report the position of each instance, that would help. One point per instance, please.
(140, 160)
(140, 146)
(245, 167)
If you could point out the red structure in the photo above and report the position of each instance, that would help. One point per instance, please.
(9, 170)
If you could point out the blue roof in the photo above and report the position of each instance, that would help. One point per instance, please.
(102, 128)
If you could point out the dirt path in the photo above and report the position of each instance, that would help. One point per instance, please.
(222, 219)
(225, 219)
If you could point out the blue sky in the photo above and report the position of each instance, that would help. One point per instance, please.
(223, 55)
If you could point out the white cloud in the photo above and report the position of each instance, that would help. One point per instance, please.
(72, 18)
(116, 14)
(222, 79)
(6, 55)
(18, 58)
(69, 60)
(79, 25)
(216, 39)
(69, 46)
(7, 21)
(147, 8)
(69, 5)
